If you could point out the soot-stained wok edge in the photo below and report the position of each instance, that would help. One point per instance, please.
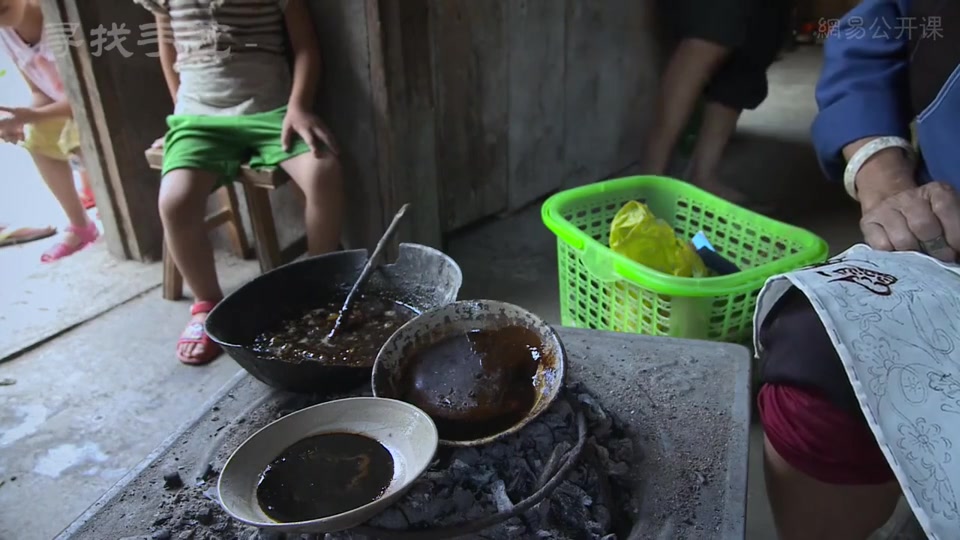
(475, 526)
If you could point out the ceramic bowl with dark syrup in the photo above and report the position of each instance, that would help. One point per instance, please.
(481, 369)
(329, 467)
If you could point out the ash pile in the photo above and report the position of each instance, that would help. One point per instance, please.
(593, 501)
(593, 498)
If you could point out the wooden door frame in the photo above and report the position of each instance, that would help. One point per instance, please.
(129, 235)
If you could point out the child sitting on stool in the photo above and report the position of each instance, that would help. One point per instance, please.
(237, 101)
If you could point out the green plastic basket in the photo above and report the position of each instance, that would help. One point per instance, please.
(603, 290)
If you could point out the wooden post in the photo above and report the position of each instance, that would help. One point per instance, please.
(401, 76)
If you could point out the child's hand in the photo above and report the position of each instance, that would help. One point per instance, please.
(14, 118)
(12, 136)
(310, 128)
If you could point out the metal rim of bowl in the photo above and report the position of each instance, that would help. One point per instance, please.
(313, 523)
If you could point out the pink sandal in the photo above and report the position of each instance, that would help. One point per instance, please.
(87, 235)
(195, 333)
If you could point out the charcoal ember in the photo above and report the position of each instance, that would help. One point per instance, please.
(601, 515)
(391, 518)
(570, 505)
(199, 512)
(481, 477)
(521, 485)
(622, 450)
(468, 456)
(497, 452)
(591, 409)
(513, 528)
(209, 471)
(172, 480)
(463, 500)
(595, 530)
(466, 484)
(420, 508)
(552, 534)
(189, 514)
(619, 469)
(478, 482)
(539, 436)
(560, 415)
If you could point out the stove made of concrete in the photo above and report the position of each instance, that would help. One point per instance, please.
(686, 402)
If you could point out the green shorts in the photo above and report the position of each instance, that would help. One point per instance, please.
(222, 144)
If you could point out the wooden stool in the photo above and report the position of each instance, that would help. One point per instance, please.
(257, 185)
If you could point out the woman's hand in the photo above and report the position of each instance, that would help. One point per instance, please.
(925, 218)
(897, 214)
(310, 128)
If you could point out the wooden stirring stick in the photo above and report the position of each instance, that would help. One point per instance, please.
(367, 269)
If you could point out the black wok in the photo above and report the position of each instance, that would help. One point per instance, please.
(421, 278)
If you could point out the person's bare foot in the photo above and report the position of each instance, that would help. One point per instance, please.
(194, 346)
(193, 349)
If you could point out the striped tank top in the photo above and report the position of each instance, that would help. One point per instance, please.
(231, 55)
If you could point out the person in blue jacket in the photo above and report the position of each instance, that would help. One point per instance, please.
(888, 128)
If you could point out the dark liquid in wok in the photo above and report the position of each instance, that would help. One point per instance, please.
(324, 475)
(477, 384)
(371, 322)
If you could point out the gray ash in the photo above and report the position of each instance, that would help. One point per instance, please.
(595, 501)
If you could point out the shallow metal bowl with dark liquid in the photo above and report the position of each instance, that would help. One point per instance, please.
(481, 369)
(421, 278)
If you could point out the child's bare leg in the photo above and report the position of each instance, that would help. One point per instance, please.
(58, 176)
(321, 180)
(86, 195)
(690, 69)
(183, 204)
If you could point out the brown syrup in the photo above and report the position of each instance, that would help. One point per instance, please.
(324, 475)
(477, 384)
(369, 324)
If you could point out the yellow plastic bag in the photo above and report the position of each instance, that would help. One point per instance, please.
(640, 236)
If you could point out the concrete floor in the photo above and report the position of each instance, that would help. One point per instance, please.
(80, 410)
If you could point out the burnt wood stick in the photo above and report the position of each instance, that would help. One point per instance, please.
(473, 527)
(367, 269)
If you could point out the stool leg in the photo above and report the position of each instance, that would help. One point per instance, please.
(238, 237)
(172, 280)
(264, 228)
